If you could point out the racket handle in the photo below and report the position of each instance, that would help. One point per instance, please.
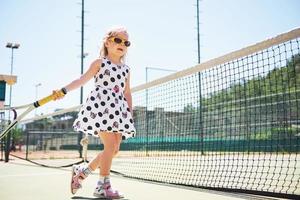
(46, 99)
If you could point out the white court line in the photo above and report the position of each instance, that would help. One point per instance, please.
(34, 174)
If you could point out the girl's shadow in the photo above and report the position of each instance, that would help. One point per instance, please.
(93, 198)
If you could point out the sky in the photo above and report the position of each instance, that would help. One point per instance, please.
(162, 32)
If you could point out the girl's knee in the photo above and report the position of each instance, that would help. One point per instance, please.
(112, 149)
(116, 151)
(111, 145)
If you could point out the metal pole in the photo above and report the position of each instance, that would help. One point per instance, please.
(201, 134)
(8, 137)
(82, 46)
(147, 121)
(81, 72)
(147, 113)
(198, 31)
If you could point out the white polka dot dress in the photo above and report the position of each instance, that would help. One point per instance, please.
(106, 108)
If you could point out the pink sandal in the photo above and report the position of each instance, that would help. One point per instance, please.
(77, 177)
(104, 190)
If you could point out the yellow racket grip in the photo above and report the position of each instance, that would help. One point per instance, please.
(45, 100)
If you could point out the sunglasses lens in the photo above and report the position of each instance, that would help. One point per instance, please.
(127, 43)
(117, 40)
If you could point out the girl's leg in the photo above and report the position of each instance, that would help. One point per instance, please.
(118, 139)
(111, 148)
(104, 159)
(109, 143)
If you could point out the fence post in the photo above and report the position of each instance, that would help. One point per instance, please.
(27, 143)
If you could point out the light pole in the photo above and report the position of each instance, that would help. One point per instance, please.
(12, 47)
(83, 55)
(36, 94)
(147, 121)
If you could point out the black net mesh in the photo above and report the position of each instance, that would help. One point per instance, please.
(233, 126)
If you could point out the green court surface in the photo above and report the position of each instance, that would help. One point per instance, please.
(21, 180)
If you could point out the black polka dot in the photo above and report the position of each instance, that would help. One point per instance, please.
(112, 79)
(108, 62)
(96, 105)
(89, 127)
(108, 98)
(119, 76)
(109, 128)
(111, 116)
(103, 65)
(123, 137)
(112, 105)
(100, 114)
(102, 103)
(97, 124)
(120, 120)
(101, 76)
(89, 108)
(122, 84)
(126, 126)
(123, 73)
(115, 69)
(127, 71)
(117, 112)
(120, 97)
(85, 119)
(128, 109)
(104, 121)
(93, 98)
(105, 83)
(131, 121)
(97, 89)
(104, 91)
(82, 112)
(114, 94)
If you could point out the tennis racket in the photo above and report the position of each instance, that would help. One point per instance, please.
(29, 107)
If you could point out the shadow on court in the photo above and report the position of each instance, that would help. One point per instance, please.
(79, 197)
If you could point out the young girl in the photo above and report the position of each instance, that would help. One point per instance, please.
(107, 112)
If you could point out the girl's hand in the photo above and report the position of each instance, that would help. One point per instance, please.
(57, 94)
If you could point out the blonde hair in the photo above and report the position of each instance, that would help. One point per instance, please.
(112, 32)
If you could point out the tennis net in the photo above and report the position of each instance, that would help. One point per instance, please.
(231, 123)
